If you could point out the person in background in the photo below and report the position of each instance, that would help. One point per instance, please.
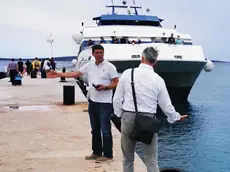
(139, 41)
(178, 40)
(134, 42)
(89, 43)
(52, 63)
(115, 40)
(171, 39)
(102, 78)
(47, 65)
(12, 69)
(36, 64)
(29, 67)
(20, 67)
(42, 64)
(150, 91)
(102, 41)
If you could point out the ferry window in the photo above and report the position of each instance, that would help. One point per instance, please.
(144, 40)
(187, 43)
(85, 44)
(157, 40)
(123, 40)
(132, 22)
(164, 40)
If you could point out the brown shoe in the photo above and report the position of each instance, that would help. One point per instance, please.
(103, 159)
(85, 110)
(92, 157)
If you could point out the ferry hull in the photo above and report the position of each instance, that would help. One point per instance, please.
(179, 76)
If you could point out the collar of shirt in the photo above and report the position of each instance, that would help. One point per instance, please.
(142, 65)
(103, 62)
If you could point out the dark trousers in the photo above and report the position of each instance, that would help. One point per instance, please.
(28, 70)
(100, 115)
(12, 73)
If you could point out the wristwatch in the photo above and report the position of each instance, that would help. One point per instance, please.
(106, 87)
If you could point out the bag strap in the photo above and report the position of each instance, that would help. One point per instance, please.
(134, 94)
(133, 91)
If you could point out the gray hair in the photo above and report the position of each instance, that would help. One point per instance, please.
(150, 54)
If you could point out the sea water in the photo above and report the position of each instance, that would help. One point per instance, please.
(202, 142)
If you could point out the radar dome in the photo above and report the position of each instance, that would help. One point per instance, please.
(77, 38)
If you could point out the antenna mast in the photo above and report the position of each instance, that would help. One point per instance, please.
(134, 4)
(50, 40)
(113, 10)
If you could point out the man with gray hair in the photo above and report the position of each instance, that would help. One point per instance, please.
(150, 90)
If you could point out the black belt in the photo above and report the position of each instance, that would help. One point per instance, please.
(129, 111)
(138, 112)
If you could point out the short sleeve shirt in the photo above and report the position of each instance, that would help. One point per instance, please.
(100, 74)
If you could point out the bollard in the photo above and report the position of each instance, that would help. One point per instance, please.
(63, 79)
(68, 95)
(171, 170)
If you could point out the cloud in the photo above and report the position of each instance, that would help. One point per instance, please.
(25, 24)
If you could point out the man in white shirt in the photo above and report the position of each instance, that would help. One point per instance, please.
(47, 65)
(103, 78)
(150, 90)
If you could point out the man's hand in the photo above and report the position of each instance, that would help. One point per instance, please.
(102, 87)
(182, 118)
(52, 74)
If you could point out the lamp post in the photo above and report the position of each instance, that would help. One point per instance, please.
(50, 40)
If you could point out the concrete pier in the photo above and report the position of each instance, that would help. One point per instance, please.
(39, 134)
(37, 92)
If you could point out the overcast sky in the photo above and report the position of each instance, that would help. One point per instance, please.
(26, 24)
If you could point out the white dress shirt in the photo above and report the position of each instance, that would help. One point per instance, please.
(46, 65)
(102, 73)
(150, 90)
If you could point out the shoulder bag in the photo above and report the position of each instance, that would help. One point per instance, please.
(145, 126)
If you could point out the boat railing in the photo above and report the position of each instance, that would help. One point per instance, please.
(132, 40)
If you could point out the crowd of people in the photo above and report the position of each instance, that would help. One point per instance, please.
(125, 40)
(29, 66)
